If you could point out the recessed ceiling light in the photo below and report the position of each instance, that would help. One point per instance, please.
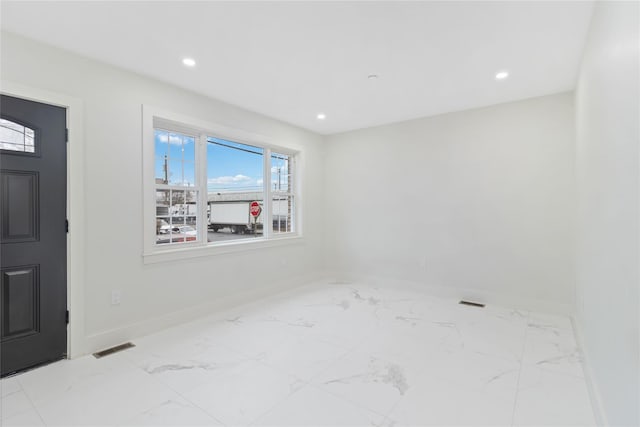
(372, 76)
(321, 116)
(189, 62)
(502, 75)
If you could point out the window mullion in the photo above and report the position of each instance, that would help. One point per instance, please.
(293, 191)
(267, 223)
(201, 185)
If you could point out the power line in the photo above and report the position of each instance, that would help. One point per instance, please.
(235, 148)
(275, 156)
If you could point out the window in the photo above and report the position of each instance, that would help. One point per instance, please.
(176, 194)
(214, 186)
(15, 137)
(282, 194)
(235, 179)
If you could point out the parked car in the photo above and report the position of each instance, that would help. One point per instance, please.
(162, 226)
(184, 229)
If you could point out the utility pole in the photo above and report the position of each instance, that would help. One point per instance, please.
(279, 169)
(165, 168)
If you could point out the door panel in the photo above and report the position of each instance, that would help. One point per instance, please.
(33, 274)
(19, 206)
(20, 289)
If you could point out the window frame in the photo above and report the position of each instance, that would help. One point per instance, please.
(291, 190)
(155, 118)
(172, 187)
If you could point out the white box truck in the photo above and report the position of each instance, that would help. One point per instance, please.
(234, 215)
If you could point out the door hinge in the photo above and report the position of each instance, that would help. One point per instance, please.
(67, 317)
(66, 225)
(66, 135)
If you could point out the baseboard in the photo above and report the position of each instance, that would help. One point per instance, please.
(487, 297)
(108, 338)
(592, 387)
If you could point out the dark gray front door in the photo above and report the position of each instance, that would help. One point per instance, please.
(33, 260)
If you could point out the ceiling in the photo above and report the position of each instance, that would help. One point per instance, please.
(293, 60)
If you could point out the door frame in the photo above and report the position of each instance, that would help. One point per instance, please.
(76, 340)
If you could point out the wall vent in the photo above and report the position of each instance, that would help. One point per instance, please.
(471, 303)
(112, 350)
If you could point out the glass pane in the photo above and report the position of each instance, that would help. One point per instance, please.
(189, 149)
(282, 215)
(161, 156)
(163, 220)
(174, 158)
(182, 173)
(280, 173)
(15, 137)
(176, 216)
(162, 225)
(234, 180)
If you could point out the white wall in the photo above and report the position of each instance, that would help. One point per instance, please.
(479, 202)
(112, 176)
(608, 134)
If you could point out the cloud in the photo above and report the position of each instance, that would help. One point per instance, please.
(260, 181)
(174, 139)
(229, 179)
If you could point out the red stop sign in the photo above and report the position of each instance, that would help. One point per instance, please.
(255, 209)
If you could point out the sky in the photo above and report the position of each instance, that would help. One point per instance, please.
(231, 166)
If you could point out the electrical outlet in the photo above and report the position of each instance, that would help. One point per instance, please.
(116, 297)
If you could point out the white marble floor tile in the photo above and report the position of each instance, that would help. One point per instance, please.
(493, 331)
(311, 407)
(347, 330)
(472, 371)
(551, 399)
(371, 382)
(9, 385)
(30, 417)
(242, 393)
(55, 379)
(454, 328)
(185, 368)
(551, 320)
(174, 412)
(423, 340)
(302, 357)
(13, 404)
(437, 402)
(553, 349)
(461, 388)
(343, 317)
(115, 398)
(251, 336)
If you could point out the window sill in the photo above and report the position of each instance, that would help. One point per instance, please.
(173, 254)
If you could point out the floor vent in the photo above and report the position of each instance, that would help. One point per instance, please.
(472, 304)
(112, 350)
